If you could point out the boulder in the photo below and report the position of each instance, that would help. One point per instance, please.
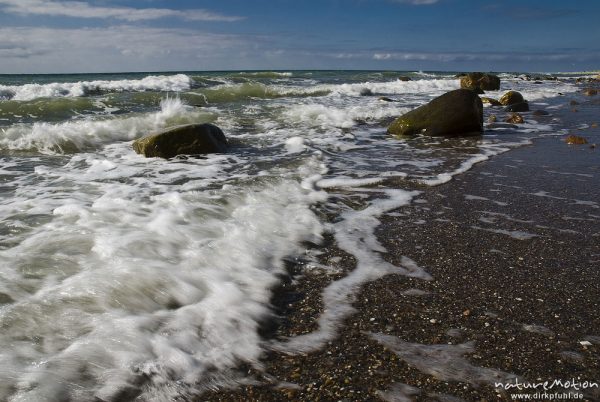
(491, 101)
(456, 113)
(518, 107)
(511, 97)
(190, 139)
(481, 81)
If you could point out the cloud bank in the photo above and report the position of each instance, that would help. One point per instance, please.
(81, 9)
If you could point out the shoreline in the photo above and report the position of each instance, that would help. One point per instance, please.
(512, 246)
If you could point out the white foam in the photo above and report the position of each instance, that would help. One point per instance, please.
(179, 82)
(154, 280)
(295, 145)
(347, 182)
(355, 234)
(489, 150)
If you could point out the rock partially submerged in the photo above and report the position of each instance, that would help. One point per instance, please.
(481, 81)
(590, 92)
(515, 118)
(575, 140)
(456, 113)
(514, 102)
(190, 139)
(511, 97)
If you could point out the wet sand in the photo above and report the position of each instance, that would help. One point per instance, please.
(513, 247)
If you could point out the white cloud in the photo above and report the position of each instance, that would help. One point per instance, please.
(116, 48)
(81, 9)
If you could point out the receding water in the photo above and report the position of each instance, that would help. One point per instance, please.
(123, 273)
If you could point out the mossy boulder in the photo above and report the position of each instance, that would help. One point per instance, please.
(511, 97)
(456, 113)
(481, 81)
(190, 139)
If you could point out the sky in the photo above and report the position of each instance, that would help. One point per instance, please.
(63, 36)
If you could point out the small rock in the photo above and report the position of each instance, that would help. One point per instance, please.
(404, 78)
(386, 99)
(590, 92)
(575, 140)
(492, 119)
(366, 92)
(515, 118)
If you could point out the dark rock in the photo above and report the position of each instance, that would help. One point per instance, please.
(575, 140)
(191, 139)
(540, 113)
(481, 81)
(5, 299)
(491, 101)
(404, 78)
(366, 92)
(511, 97)
(386, 99)
(515, 118)
(456, 113)
(518, 107)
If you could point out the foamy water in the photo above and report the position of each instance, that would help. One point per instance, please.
(121, 275)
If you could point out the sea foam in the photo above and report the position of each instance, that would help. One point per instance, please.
(179, 82)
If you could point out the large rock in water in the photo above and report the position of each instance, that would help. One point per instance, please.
(190, 139)
(511, 97)
(474, 81)
(456, 113)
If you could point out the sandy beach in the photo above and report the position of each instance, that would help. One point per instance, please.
(513, 247)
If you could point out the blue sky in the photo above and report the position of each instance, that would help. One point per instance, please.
(45, 36)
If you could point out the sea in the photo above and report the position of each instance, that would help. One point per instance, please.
(122, 275)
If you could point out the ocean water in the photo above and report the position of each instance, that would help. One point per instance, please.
(122, 276)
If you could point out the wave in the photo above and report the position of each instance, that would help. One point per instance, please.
(89, 134)
(265, 74)
(176, 83)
